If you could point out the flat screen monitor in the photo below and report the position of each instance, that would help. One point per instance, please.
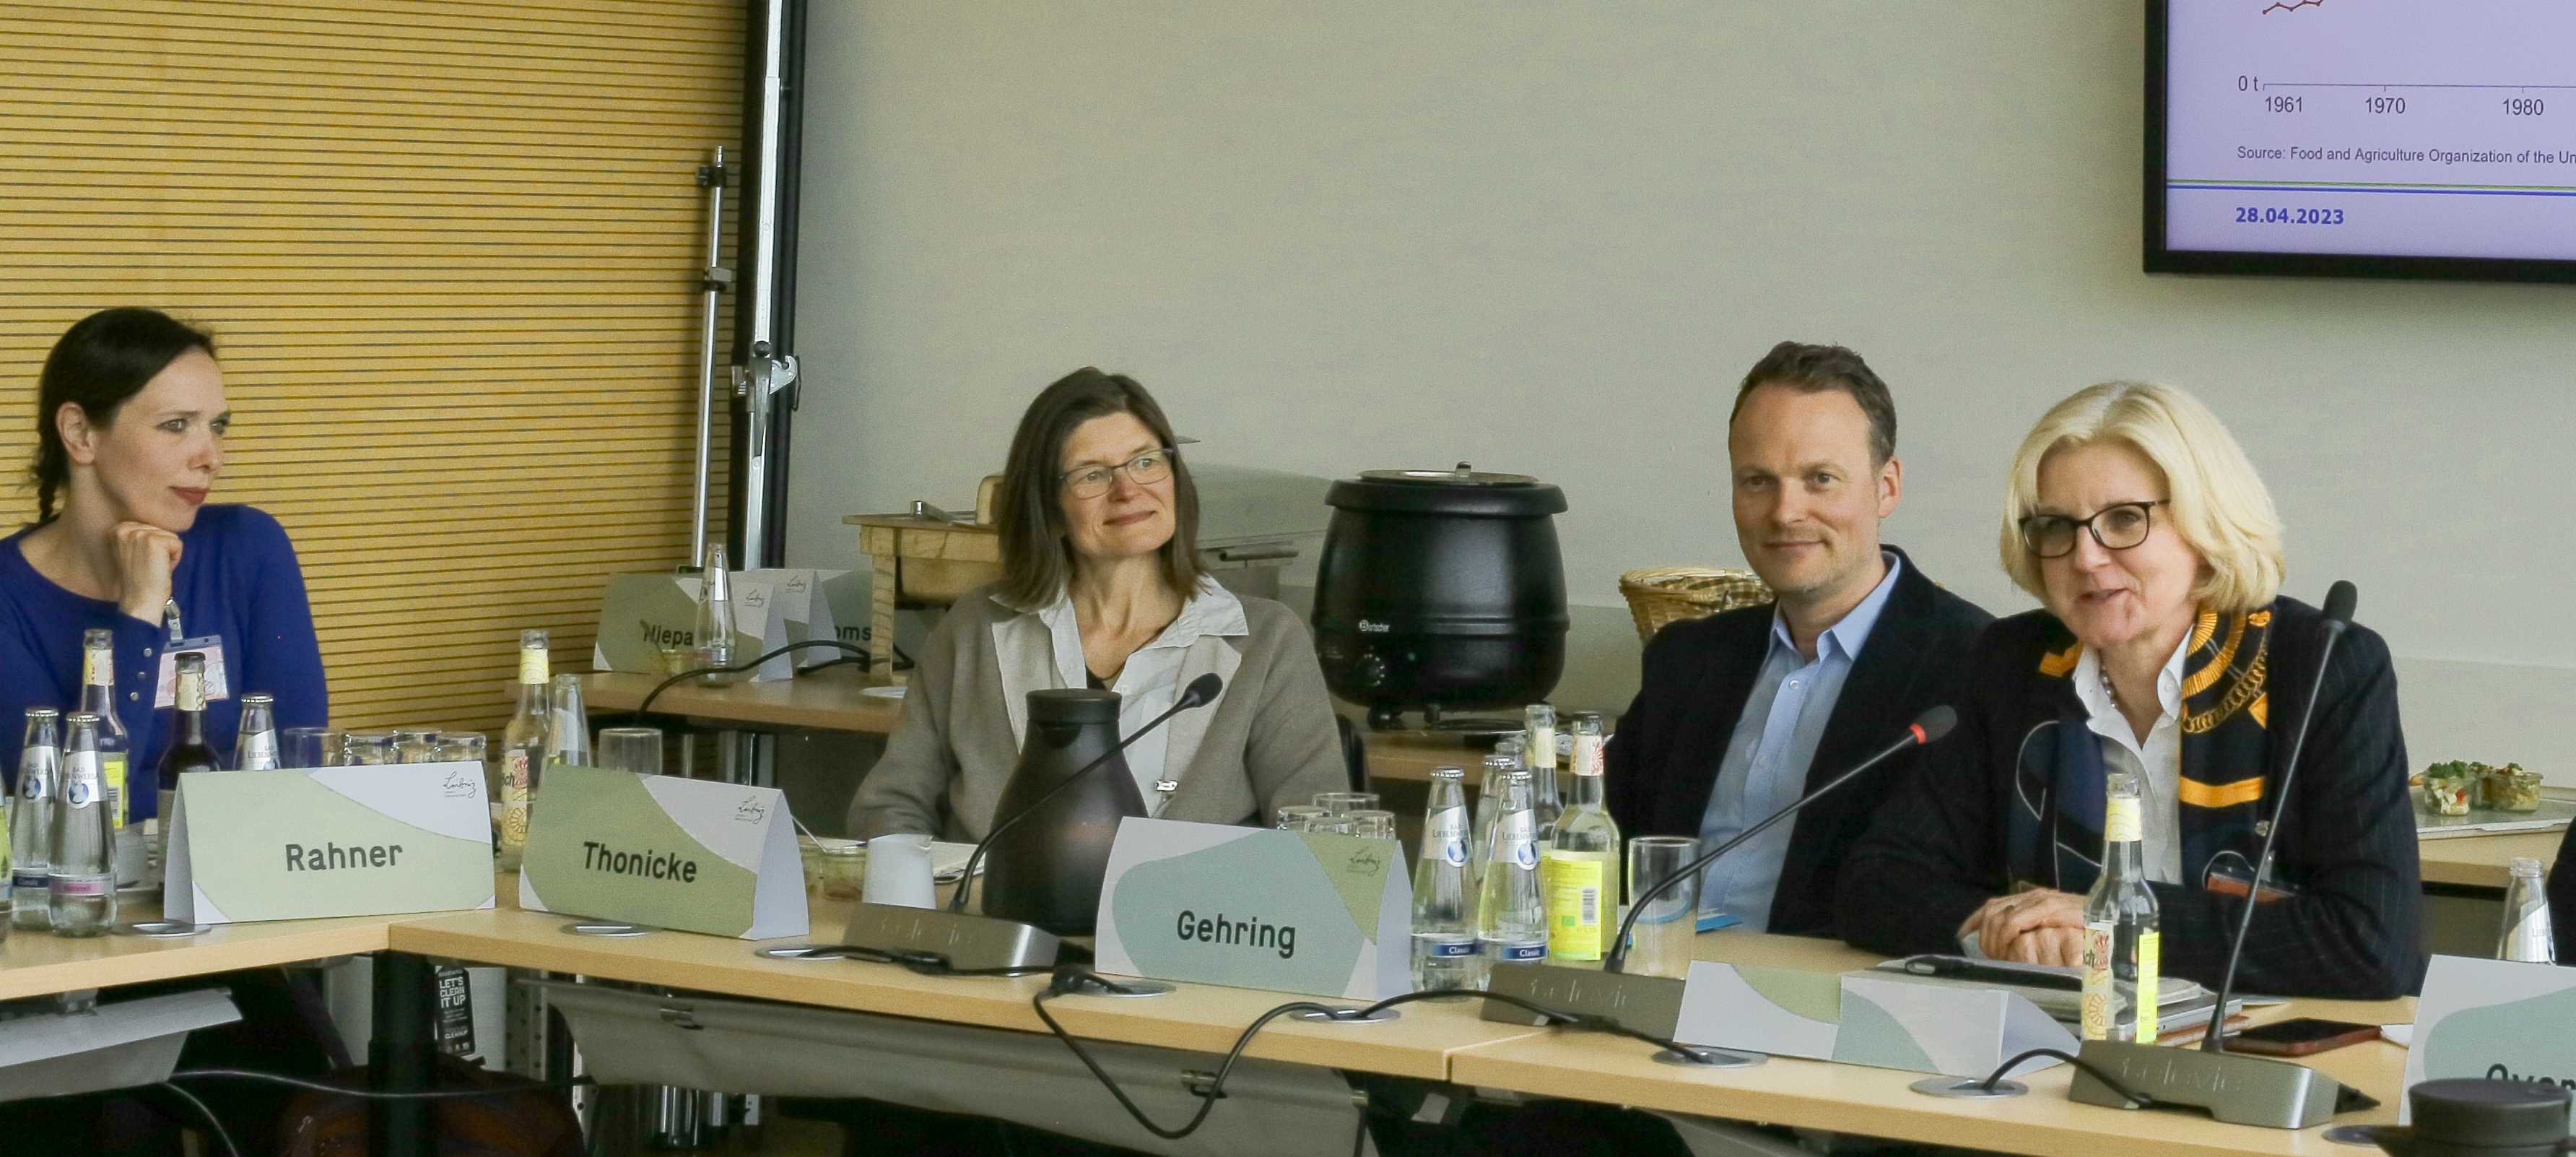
(2367, 138)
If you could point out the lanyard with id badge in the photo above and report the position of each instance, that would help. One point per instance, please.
(166, 692)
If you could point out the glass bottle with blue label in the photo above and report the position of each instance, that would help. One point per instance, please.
(1511, 922)
(1444, 910)
(31, 819)
(98, 697)
(1489, 811)
(255, 745)
(81, 881)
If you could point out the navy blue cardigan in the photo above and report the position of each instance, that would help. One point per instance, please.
(1940, 848)
(237, 578)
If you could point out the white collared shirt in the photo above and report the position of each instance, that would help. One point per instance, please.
(1150, 682)
(2157, 762)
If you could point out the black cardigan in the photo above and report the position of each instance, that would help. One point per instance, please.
(2353, 930)
(1663, 761)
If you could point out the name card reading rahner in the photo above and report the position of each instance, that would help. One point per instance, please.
(695, 855)
(329, 841)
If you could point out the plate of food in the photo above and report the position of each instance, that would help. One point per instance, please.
(2473, 796)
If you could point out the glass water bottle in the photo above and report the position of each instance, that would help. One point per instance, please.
(81, 881)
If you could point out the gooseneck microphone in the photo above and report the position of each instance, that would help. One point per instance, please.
(1926, 728)
(2338, 616)
(1200, 692)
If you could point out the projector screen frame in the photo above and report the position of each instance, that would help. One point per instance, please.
(2160, 258)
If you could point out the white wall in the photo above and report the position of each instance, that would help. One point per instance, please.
(1335, 235)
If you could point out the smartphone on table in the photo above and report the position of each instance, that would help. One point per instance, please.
(2299, 1037)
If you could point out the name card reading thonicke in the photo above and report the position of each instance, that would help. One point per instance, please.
(329, 841)
(1325, 915)
(691, 854)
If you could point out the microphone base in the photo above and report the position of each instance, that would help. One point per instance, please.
(968, 942)
(2237, 1089)
(1648, 1004)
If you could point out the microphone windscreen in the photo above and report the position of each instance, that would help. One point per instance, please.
(2339, 600)
(1202, 690)
(1937, 722)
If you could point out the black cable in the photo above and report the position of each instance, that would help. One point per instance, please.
(646, 707)
(214, 1124)
(2133, 1096)
(1359, 1136)
(1068, 977)
(927, 963)
(378, 1095)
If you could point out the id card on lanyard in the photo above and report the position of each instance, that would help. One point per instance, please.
(166, 687)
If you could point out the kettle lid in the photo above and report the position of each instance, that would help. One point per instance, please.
(1464, 474)
(1460, 492)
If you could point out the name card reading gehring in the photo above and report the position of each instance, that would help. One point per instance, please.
(2495, 1019)
(1325, 915)
(691, 854)
(329, 841)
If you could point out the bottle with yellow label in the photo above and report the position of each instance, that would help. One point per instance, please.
(523, 754)
(2120, 938)
(1581, 874)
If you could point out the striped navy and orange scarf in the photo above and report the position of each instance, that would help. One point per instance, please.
(2226, 753)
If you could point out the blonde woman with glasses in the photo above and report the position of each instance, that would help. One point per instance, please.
(2136, 519)
(1101, 587)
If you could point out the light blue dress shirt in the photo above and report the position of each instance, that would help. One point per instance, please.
(1767, 757)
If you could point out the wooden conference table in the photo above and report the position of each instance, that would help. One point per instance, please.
(1437, 1041)
(834, 699)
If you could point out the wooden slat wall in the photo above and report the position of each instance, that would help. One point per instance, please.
(449, 251)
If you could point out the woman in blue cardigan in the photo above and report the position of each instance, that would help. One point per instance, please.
(130, 431)
(130, 428)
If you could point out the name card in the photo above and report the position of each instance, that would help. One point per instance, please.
(691, 854)
(329, 841)
(2494, 1019)
(1864, 1020)
(1320, 914)
(817, 605)
(642, 613)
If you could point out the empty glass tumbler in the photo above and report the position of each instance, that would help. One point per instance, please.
(635, 749)
(1660, 944)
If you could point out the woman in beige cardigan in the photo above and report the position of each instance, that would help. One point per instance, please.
(1101, 587)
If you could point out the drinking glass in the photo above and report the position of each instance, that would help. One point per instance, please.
(1371, 824)
(303, 747)
(635, 749)
(415, 744)
(369, 748)
(1337, 802)
(1297, 817)
(1660, 944)
(1339, 825)
(460, 748)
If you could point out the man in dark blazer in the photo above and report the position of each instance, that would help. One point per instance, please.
(1741, 713)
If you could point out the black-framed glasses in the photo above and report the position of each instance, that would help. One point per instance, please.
(1145, 469)
(2118, 526)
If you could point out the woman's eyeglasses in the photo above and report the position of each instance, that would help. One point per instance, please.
(1145, 469)
(2118, 526)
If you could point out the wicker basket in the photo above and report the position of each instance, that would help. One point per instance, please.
(1662, 595)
